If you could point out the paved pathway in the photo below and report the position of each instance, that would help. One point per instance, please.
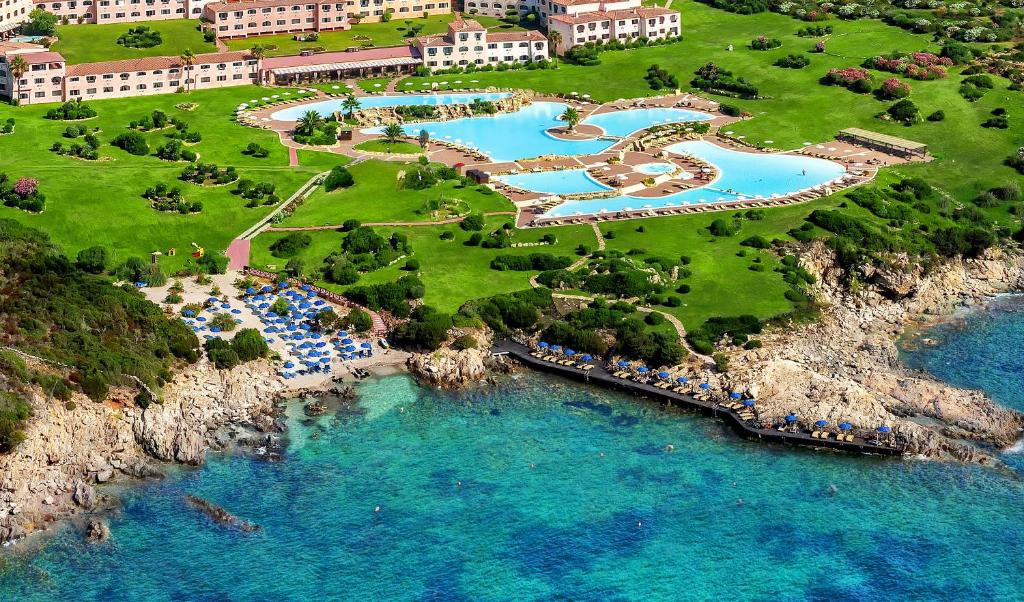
(452, 220)
(293, 157)
(238, 254)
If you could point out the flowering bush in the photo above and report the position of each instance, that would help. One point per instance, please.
(24, 194)
(919, 65)
(819, 46)
(852, 78)
(26, 187)
(893, 88)
(765, 43)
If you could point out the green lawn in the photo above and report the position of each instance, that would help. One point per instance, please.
(800, 109)
(94, 43)
(99, 203)
(452, 272)
(377, 197)
(383, 146)
(392, 33)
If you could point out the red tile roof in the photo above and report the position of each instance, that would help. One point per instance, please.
(515, 36)
(465, 25)
(582, 18)
(35, 58)
(152, 63)
(326, 58)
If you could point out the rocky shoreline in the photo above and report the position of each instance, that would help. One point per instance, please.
(847, 367)
(70, 448)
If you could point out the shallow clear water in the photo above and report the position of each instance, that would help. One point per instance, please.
(742, 174)
(655, 169)
(330, 107)
(564, 181)
(523, 134)
(543, 489)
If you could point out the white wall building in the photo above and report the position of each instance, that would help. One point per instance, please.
(469, 43)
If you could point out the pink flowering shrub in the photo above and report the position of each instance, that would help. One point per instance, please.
(26, 187)
(893, 88)
(919, 65)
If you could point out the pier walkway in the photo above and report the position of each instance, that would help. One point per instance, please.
(599, 376)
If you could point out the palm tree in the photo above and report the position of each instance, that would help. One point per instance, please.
(571, 117)
(188, 58)
(554, 39)
(392, 132)
(350, 104)
(18, 67)
(308, 123)
(258, 51)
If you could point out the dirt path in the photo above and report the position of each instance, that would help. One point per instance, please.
(443, 222)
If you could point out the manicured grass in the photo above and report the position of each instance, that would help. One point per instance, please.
(798, 108)
(377, 197)
(99, 203)
(383, 146)
(391, 33)
(94, 43)
(452, 272)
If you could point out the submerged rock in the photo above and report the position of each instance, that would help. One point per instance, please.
(220, 515)
(97, 532)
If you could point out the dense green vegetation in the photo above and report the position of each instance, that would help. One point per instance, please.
(55, 309)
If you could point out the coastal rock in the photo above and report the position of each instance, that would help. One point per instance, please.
(220, 515)
(449, 368)
(50, 474)
(846, 367)
(97, 532)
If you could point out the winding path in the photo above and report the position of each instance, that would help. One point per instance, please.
(443, 222)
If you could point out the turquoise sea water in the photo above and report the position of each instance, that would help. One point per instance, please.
(538, 490)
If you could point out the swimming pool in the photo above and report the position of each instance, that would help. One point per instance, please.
(523, 134)
(329, 107)
(655, 169)
(743, 176)
(625, 122)
(565, 181)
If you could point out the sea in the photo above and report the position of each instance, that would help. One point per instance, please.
(541, 489)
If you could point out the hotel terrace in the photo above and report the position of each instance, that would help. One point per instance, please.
(469, 43)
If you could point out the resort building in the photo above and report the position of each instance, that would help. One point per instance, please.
(372, 62)
(244, 18)
(43, 79)
(605, 25)
(123, 11)
(469, 43)
(159, 75)
(12, 14)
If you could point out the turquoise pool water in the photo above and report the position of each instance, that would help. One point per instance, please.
(742, 175)
(625, 122)
(655, 169)
(542, 490)
(565, 181)
(523, 134)
(329, 107)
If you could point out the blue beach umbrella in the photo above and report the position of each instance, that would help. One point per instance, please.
(140, 284)
(623, 363)
(845, 426)
(663, 374)
(543, 345)
(570, 352)
(282, 284)
(212, 300)
(306, 287)
(214, 329)
(642, 369)
(556, 347)
(821, 423)
(791, 418)
(267, 288)
(325, 360)
(289, 364)
(883, 429)
(735, 395)
(586, 357)
(250, 291)
(748, 402)
(201, 319)
(236, 311)
(346, 341)
(705, 386)
(366, 345)
(683, 380)
(188, 312)
(225, 306)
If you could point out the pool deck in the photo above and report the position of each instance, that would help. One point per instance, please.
(601, 377)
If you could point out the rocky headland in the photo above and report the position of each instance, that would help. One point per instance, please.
(71, 447)
(846, 367)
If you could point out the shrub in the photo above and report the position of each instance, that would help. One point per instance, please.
(998, 122)
(255, 150)
(358, 321)
(764, 43)
(937, 115)
(140, 37)
(465, 341)
(905, 112)
(657, 78)
(730, 110)
(338, 178)
(412, 265)
(131, 142)
(757, 242)
(290, 245)
(793, 61)
(472, 222)
(71, 110)
(92, 260)
(893, 89)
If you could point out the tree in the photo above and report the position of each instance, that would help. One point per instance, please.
(258, 51)
(358, 320)
(18, 67)
(338, 178)
(40, 23)
(554, 39)
(350, 104)
(92, 260)
(308, 123)
(188, 59)
(249, 345)
(392, 132)
(424, 138)
(571, 117)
